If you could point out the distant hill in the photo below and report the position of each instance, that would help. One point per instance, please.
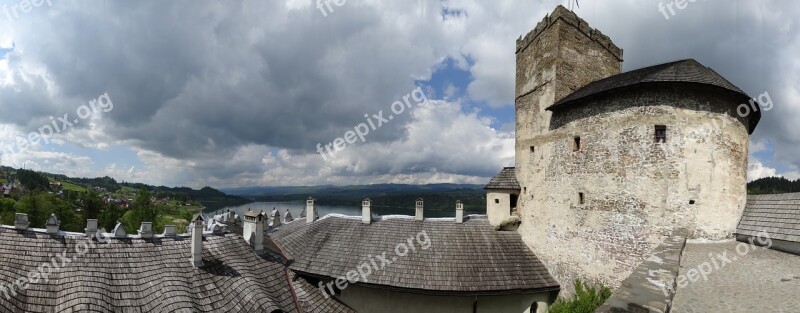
(772, 185)
(436, 196)
(363, 190)
(208, 197)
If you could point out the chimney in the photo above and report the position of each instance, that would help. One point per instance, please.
(253, 230)
(231, 216)
(119, 230)
(311, 210)
(366, 211)
(197, 241)
(418, 216)
(459, 212)
(275, 218)
(52, 224)
(91, 227)
(146, 230)
(21, 221)
(287, 217)
(170, 230)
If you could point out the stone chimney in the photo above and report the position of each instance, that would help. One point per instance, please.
(21, 221)
(287, 217)
(197, 241)
(459, 212)
(275, 218)
(119, 230)
(366, 211)
(146, 230)
(418, 216)
(311, 210)
(170, 230)
(53, 224)
(91, 227)
(253, 230)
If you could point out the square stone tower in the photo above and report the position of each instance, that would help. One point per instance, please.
(562, 54)
(556, 58)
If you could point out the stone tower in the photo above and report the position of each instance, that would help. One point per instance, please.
(609, 163)
(556, 58)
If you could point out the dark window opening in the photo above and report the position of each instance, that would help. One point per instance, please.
(524, 189)
(581, 198)
(496, 200)
(691, 201)
(533, 149)
(513, 202)
(576, 145)
(661, 134)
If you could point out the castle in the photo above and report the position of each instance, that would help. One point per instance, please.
(607, 164)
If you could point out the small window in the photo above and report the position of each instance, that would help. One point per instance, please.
(524, 189)
(581, 198)
(533, 149)
(496, 200)
(576, 143)
(691, 201)
(661, 134)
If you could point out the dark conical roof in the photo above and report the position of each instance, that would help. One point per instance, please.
(684, 71)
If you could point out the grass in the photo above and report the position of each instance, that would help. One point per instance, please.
(73, 187)
(3, 180)
(585, 300)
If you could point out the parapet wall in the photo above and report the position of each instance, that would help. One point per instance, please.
(574, 20)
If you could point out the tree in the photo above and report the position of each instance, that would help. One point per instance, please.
(143, 211)
(91, 204)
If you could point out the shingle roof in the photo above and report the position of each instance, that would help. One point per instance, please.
(778, 215)
(684, 71)
(313, 301)
(143, 275)
(506, 179)
(462, 259)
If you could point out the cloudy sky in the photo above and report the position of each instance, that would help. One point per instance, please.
(240, 93)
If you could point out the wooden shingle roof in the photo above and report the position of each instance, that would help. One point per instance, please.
(778, 215)
(462, 259)
(506, 179)
(143, 275)
(684, 71)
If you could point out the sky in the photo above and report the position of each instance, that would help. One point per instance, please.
(246, 93)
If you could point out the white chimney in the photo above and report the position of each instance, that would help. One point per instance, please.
(170, 230)
(253, 230)
(197, 241)
(287, 217)
(459, 212)
(418, 216)
(311, 210)
(52, 224)
(21, 221)
(146, 230)
(119, 230)
(275, 218)
(366, 211)
(91, 227)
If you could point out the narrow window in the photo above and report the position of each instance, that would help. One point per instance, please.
(661, 133)
(581, 198)
(525, 190)
(496, 200)
(576, 144)
(533, 149)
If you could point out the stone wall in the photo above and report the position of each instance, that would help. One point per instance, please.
(635, 190)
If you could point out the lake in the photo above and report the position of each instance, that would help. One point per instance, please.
(297, 206)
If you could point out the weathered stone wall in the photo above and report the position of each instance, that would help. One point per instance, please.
(635, 190)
